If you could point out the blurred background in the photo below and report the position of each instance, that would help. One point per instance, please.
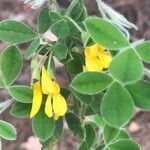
(136, 11)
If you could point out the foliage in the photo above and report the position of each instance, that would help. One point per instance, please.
(105, 75)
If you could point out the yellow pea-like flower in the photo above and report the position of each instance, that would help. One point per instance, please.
(97, 58)
(93, 64)
(55, 105)
(105, 59)
(37, 99)
(93, 51)
(59, 105)
(48, 106)
(48, 86)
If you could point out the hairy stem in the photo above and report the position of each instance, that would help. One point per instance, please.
(53, 5)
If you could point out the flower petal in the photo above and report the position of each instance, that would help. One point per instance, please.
(46, 81)
(48, 86)
(55, 89)
(59, 105)
(100, 48)
(92, 51)
(48, 106)
(105, 59)
(93, 64)
(37, 99)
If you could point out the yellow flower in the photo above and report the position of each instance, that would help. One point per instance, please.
(37, 99)
(93, 51)
(105, 59)
(97, 58)
(93, 64)
(55, 105)
(48, 86)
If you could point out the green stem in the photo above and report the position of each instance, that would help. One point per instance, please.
(75, 105)
(83, 111)
(49, 60)
(35, 68)
(50, 65)
(77, 26)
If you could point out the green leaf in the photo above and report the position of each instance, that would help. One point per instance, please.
(32, 48)
(65, 92)
(105, 33)
(69, 58)
(15, 32)
(20, 110)
(60, 29)
(75, 65)
(59, 128)
(74, 31)
(43, 126)
(140, 92)
(54, 16)
(50, 64)
(144, 51)
(83, 15)
(44, 20)
(7, 131)
(100, 122)
(124, 145)
(43, 49)
(11, 64)
(89, 111)
(60, 51)
(96, 82)
(117, 105)
(22, 94)
(93, 102)
(83, 146)
(96, 103)
(123, 134)
(90, 135)
(126, 66)
(75, 125)
(75, 9)
(2, 84)
(86, 99)
(105, 148)
(110, 133)
(100, 147)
